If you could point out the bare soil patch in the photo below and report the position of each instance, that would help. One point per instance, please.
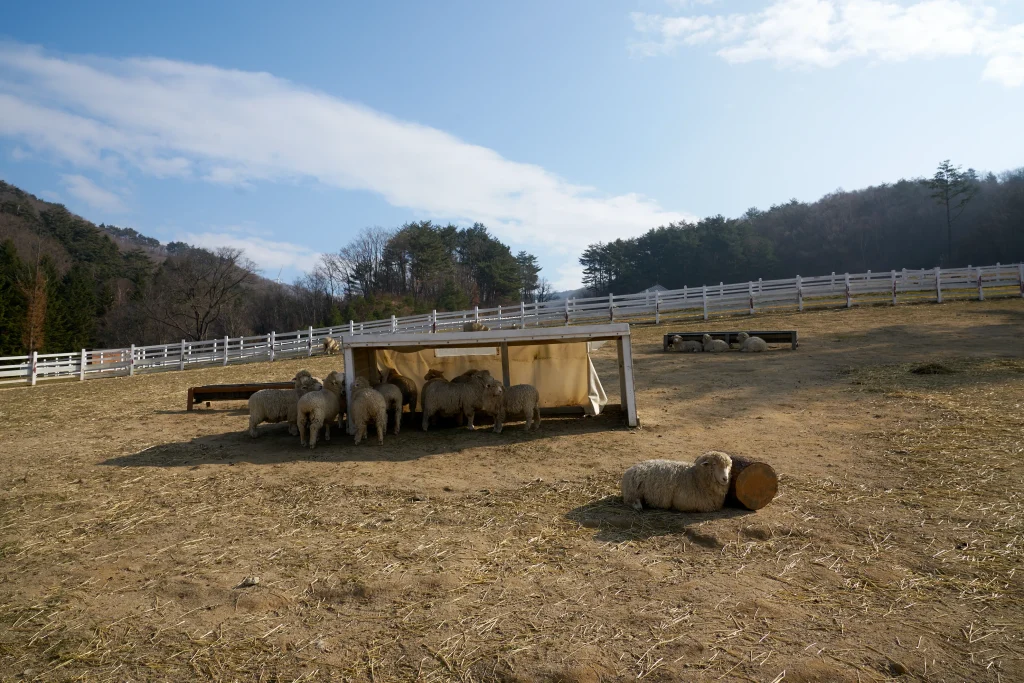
(127, 525)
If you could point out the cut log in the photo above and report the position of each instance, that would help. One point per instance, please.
(752, 484)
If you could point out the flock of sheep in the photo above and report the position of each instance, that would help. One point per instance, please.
(312, 404)
(747, 344)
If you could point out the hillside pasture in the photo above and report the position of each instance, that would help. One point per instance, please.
(128, 526)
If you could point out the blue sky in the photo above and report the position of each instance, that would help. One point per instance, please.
(288, 127)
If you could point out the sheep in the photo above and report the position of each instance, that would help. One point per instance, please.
(700, 487)
(319, 408)
(280, 405)
(368, 404)
(676, 343)
(475, 326)
(521, 399)
(461, 398)
(393, 398)
(714, 345)
(751, 344)
(331, 346)
(409, 392)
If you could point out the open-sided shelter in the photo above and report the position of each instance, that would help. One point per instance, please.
(556, 360)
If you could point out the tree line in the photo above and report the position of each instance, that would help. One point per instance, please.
(953, 219)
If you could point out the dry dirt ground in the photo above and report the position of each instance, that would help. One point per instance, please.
(893, 549)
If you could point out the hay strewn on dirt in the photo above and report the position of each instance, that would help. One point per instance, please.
(128, 525)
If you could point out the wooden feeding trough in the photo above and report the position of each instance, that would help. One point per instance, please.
(230, 392)
(770, 336)
(752, 484)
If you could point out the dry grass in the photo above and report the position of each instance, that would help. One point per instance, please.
(892, 548)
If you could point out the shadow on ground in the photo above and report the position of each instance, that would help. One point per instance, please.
(617, 523)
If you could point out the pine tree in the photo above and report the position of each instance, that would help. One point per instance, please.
(13, 303)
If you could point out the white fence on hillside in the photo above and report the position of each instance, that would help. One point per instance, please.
(722, 299)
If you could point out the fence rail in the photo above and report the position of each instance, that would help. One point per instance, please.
(842, 289)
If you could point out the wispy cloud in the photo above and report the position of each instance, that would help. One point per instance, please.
(271, 256)
(825, 33)
(168, 118)
(82, 188)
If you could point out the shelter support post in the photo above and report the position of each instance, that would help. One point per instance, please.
(350, 378)
(627, 395)
(506, 376)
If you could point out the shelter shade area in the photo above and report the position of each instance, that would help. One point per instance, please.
(554, 360)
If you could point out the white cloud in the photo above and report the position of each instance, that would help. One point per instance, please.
(163, 118)
(824, 33)
(272, 256)
(92, 194)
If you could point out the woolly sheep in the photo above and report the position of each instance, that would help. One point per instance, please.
(409, 392)
(393, 398)
(521, 399)
(751, 344)
(676, 343)
(331, 346)
(714, 345)
(280, 405)
(368, 404)
(700, 487)
(319, 408)
(462, 398)
(475, 326)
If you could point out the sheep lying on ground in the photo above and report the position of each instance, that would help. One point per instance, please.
(700, 487)
(368, 404)
(409, 392)
(393, 398)
(475, 326)
(463, 397)
(751, 344)
(331, 346)
(280, 405)
(714, 345)
(676, 343)
(319, 408)
(521, 399)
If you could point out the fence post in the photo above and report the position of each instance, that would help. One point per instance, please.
(394, 324)
(81, 367)
(226, 345)
(272, 340)
(832, 283)
(1020, 278)
(522, 314)
(657, 308)
(567, 312)
(360, 328)
(686, 293)
(938, 285)
(849, 299)
(181, 356)
(892, 274)
(499, 316)
(799, 294)
(981, 291)
(721, 289)
(760, 286)
(476, 313)
(704, 297)
(33, 368)
(611, 307)
(750, 296)
(131, 362)
(351, 327)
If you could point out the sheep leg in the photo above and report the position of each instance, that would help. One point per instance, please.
(302, 430)
(327, 430)
(426, 418)
(252, 426)
(470, 414)
(360, 432)
(314, 431)
(398, 420)
(499, 421)
(529, 420)
(536, 417)
(381, 427)
(292, 429)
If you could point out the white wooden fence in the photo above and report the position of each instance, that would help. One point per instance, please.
(842, 289)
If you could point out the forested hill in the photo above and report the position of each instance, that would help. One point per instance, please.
(902, 225)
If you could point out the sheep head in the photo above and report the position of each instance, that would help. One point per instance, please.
(334, 382)
(360, 383)
(716, 466)
(706, 338)
(742, 337)
(433, 374)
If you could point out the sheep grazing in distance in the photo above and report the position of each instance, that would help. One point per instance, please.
(331, 346)
(409, 392)
(714, 345)
(751, 344)
(368, 404)
(393, 398)
(280, 405)
(319, 408)
(667, 484)
(676, 343)
(475, 326)
(462, 398)
(521, 399)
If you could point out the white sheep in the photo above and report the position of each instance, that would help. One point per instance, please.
(714, 345)
(368, 404)
(676, 343)
(463, 397)
(667, 484)
(393, 398)
(319, 408)
(280, 405)
(751, 344)
(521, 399)
(331, 346)
(409, 392)
(475, 326)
